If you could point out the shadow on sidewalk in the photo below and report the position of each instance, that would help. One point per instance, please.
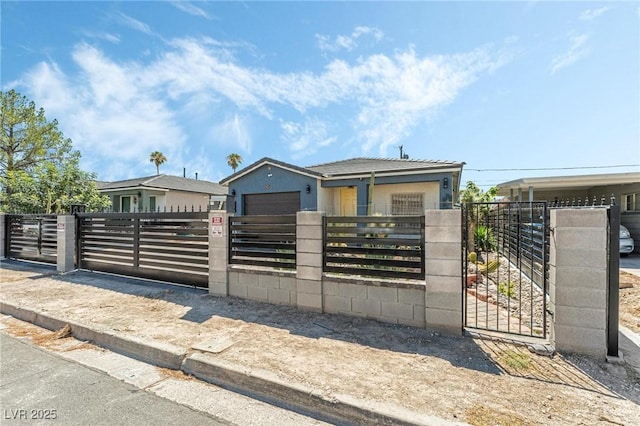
(492, 357)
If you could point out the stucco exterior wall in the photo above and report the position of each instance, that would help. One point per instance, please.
(271, 179)
(382, 195)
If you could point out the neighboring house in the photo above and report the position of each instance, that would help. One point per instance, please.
(401, 186)
(163, 192)
(624, 187)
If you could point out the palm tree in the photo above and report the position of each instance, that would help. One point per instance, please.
(234, 160)
(157, 158)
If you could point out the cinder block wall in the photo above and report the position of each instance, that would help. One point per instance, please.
(443, 260)
(218, 253)
(398, 303)
(578, 280)
(66, 243)
(309, 250)
(266, 286)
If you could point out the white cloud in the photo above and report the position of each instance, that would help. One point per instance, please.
(577, 50)
(591, 14)
(190, 8)
(134, 24)
(348, 42)
(232, 131)
(306, 138)
(119, 112)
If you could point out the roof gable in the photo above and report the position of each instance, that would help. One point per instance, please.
(270, 161)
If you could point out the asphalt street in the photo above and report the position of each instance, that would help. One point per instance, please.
(37, 387)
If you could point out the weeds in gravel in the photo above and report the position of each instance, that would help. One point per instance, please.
(515, 360)
(479, 415)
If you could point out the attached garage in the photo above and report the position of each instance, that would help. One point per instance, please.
(274, 203)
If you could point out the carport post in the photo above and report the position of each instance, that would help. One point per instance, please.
(218, 253)
(66, 240)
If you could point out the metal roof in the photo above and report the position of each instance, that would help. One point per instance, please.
(571, 182)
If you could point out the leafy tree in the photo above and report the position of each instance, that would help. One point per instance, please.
(234, 160)
(39, 171)
(28, 138)
(53, 187)
(157, 158)
(473, 194)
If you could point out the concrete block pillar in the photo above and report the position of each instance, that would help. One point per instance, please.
(3, 235)
(309, 250)
(578, 280)
(443, 260)
(219, 253)
(66, 249)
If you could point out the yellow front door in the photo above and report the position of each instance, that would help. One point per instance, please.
(348, 201)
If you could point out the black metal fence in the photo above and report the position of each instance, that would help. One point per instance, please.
(32, 237)
(268, 241)
(164, 246)
(381, 246)
(505, 267)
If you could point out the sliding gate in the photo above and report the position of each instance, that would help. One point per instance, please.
(32, 237)
(171, 247)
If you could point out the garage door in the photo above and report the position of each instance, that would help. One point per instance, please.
(272, 203)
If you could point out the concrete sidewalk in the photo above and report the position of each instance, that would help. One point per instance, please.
(338, 369)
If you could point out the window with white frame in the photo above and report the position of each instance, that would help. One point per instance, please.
(631, 202)
(409, 203)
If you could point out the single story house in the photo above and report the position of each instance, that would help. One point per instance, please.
(163, 193)
(623, 187)
(400, 187)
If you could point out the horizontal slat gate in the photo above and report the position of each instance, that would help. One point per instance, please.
(171, 247)
(32, 237)
(268, 241)
(385, 246)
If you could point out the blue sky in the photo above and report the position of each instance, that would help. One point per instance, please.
(498, 85)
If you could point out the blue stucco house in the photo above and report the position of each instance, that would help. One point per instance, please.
(400, 187)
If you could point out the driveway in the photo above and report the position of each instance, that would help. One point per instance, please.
(631, 264)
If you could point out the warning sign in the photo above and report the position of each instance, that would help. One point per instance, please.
(216, 226)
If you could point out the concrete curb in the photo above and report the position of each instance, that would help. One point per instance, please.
(162, 355)
(268, 387)
(255, 383)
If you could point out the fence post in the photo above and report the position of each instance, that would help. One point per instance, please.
(3, 235)
(218, 253)
(309, 249)
(66, 240)
(443, 271)
(578, 280)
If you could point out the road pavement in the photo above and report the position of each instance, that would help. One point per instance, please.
(88, 385)
(38, 387)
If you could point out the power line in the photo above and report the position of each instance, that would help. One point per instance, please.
(552, 168)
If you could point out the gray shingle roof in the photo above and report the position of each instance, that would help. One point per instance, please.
(176, 183)
(368, 165)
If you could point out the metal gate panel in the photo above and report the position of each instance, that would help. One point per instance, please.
(32, 237)
(505, 267)
(172, 247)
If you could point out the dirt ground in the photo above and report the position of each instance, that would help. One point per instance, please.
(479, 381)
(630, 301)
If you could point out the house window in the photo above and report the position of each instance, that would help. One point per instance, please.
(410, 203)
(631, 202)
(152, 203)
